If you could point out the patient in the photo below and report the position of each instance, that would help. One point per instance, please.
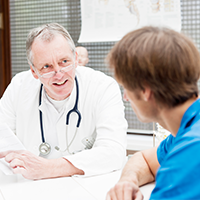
(159, 69)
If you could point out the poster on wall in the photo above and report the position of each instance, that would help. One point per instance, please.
(110, 20)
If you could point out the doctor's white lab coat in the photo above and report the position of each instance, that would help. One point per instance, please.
(102, 111)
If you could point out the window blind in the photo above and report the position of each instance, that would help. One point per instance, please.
(25, 15)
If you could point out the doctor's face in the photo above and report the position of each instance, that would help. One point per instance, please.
(54, 64)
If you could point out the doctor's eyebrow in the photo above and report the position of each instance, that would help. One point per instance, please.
(65, 58)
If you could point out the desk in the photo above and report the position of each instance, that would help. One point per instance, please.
(68, 188)
(98, 186)
(16, 187)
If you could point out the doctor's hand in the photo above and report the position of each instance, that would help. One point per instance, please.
(124, 190)
(34, 167)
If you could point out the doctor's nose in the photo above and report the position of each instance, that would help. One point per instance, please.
(57, 68)
(58, 73)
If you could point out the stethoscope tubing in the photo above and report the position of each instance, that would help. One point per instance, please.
(74, 109)
(41, 121)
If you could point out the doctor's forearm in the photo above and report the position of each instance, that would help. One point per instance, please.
(63, 168)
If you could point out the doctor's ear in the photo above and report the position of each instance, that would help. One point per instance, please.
(33, 72)
(76, 60)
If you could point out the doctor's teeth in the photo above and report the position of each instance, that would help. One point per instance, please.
(61, 83)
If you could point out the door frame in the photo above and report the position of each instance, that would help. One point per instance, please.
(5, 47)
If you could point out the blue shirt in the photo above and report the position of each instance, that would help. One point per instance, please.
(179, 174)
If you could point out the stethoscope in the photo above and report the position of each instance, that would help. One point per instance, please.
(45, 148)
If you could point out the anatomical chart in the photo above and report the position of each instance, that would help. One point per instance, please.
(110, 20)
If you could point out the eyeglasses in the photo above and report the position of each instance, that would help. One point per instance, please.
(53, 73)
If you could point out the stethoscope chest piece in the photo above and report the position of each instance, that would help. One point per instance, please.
(44, 149)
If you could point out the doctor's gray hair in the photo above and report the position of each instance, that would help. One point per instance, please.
(46, 32)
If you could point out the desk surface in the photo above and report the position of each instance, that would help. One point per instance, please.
(73, 188)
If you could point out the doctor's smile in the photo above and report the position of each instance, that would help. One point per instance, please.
(61, 83)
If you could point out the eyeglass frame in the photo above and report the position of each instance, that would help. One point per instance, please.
(71, 66)
(54, 72)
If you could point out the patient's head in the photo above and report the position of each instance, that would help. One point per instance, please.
(159, 58)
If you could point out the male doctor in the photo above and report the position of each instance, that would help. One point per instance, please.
(37, 106)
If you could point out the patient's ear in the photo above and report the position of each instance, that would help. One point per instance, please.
(33, 72)
(147, 93)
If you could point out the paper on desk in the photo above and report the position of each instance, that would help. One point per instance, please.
(8, 141)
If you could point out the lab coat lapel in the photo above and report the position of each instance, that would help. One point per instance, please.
(43, 109)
